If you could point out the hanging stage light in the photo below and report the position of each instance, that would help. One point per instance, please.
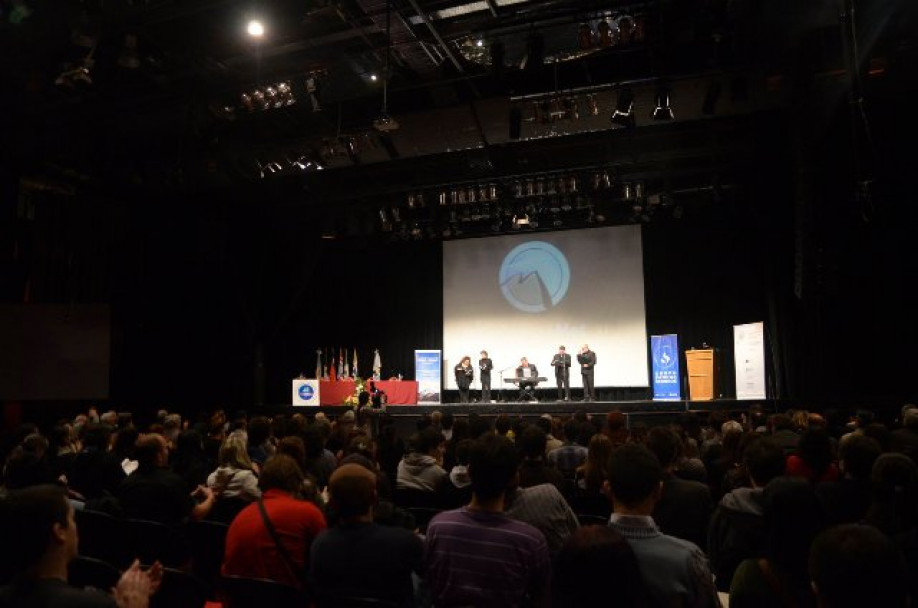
(662, 111)
(623, 115)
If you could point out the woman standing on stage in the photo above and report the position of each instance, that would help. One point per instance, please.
(464, 374)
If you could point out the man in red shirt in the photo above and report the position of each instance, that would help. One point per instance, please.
(251, 550)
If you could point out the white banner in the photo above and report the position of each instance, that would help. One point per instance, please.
(305, 392)
(749, 357)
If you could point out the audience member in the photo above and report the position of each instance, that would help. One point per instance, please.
(736, 531)
(271, 538)
(813, 459)
(779, 577)
(905, 439)
(546, 423)
(853, 566)
(503, 561)
(784, 433)
(594, 566)
(847, 500)
(591, 475)
(96, 471)
(894, 509)
(421, 469)
(359, 559)
(685, 507)
(570, 455)
(39, 522)
(155, 493)
(189, 461)
(675, 572)
(533, 469)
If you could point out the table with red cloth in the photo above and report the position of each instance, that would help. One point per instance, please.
(398, 392)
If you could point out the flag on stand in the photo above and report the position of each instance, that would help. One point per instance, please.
(377, 364)
(318, 363)
(347, 365)
(354, 366)
(340, 363)
(331, 365)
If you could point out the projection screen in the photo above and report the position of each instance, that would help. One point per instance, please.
(525, 295)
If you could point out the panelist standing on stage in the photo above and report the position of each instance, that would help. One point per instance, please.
(464, 375)
(562, 364)
(587, 360)
(528, 377)
(485, 365)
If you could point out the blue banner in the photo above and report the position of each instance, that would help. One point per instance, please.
(427, 369)
(664, 351)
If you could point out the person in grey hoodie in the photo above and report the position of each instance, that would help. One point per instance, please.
(737, 529)
(422, 467)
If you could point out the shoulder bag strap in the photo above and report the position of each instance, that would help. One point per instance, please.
(277, 541)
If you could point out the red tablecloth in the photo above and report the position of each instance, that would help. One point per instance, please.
(398, 392)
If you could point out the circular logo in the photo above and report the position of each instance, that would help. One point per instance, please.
(534, 276)
(306, 392)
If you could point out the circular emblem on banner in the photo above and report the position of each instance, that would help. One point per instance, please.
(306, 392)
(534, 276)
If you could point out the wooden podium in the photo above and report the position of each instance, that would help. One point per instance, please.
(700, 364)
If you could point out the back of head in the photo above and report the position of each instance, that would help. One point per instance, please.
(493, 461)
(858, 454)
(532, 442)
(782, 422)
(281, 472)
(293, 446)
(910, 417)
(594, 560)
(502, 424)
(446, 420)
(147, 450)
(764, 460)
(97, 435)
(664, 443)
(259, 430)
(233, 452)
(815, 449)
(426, 441)
(793, 517)
(895, 494)
(634, 474)
(854, 565)
(27, 517)
(571, 430)
(352, 490)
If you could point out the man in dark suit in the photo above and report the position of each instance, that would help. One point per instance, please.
(562, 364)
(485, 365)
(527, 375)
(587, 360)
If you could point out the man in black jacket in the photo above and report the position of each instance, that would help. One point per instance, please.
(562, 364)
(587, 360)
(485, 365)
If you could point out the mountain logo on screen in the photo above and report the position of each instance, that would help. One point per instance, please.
(306, 392)
(534, 276)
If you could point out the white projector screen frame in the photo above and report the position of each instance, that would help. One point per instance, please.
(525, 295)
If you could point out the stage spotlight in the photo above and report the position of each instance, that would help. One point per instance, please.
(711, 97)
(374, 77)
(623, 114)
(255, 28)
(662, 111)
(285, 94)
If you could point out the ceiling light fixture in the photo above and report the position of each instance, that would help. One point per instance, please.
(662, 111)
(255, 28)
(623, 114)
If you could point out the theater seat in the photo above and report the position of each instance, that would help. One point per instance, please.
(243, 592)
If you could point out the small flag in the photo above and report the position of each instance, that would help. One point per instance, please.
(377, 364)
(318, 363)
(354, 366)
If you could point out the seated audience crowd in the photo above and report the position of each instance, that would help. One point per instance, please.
(794, 509)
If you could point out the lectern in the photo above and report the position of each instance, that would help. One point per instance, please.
(700, 364)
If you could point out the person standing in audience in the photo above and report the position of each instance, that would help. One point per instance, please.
(464, 375)
(476, 555)
(675, 572)
(252, 550)
(40, 539)
(587, 360)
(382, 557)
(485, 365)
